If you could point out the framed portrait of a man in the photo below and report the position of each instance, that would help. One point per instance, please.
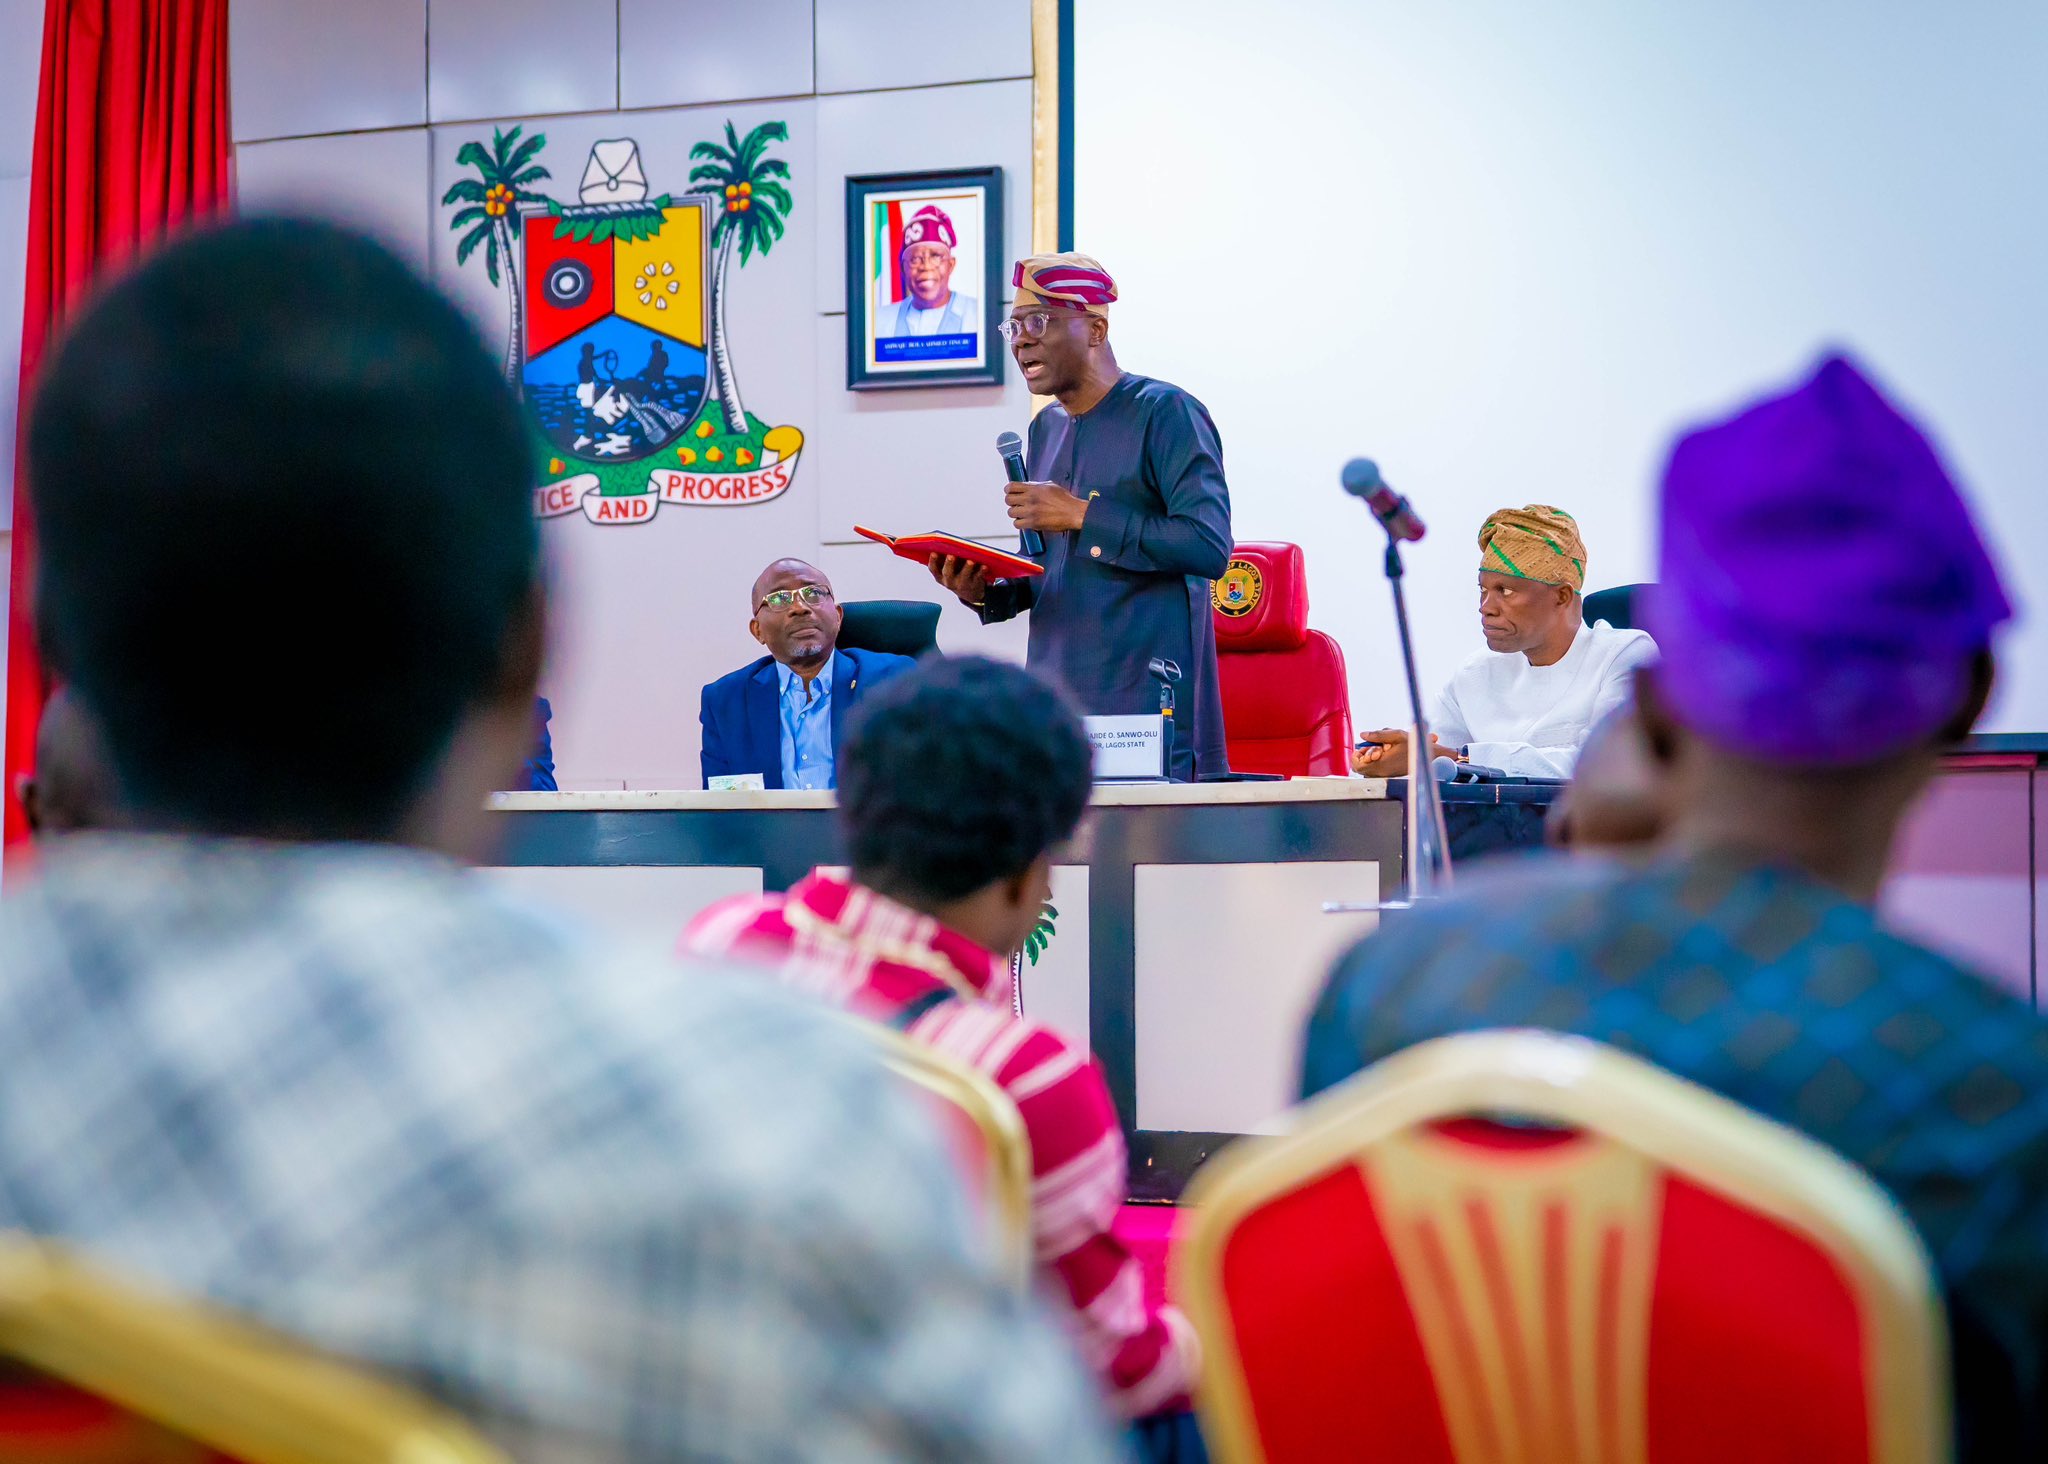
(924, 263)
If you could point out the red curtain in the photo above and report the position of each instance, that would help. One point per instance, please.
(131, 139)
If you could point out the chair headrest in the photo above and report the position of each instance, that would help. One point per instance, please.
(1620, 606)
(1262, 599)
(899, 627)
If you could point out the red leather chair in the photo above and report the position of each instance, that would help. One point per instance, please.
(1286, 700)
(96, 1368)
(1520, 1246)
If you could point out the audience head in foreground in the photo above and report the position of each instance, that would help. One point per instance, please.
(956, 788)
(319, 614)
(1615, 801)
(959, 782)
(1826, 610)
(268, 1053)
(71, 789)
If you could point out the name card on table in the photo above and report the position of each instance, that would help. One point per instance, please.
(1128, 749)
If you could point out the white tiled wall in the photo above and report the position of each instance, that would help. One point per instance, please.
(21, 46)
(914, 131)
(378, 181)
(300, 67)
(358, 110)
(13, 260)
(498, 58)
(867, 44)
(21, 49)
(677, 53)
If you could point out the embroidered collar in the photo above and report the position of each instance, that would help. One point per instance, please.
(831, 908)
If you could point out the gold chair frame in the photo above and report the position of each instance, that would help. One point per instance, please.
(1008, 1180)
(1674, 1124)
(198, 1371)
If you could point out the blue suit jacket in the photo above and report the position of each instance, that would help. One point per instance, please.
(540, 767)
(742, 712)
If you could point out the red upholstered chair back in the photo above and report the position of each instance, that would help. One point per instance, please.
(47, 1422)
(97, 1368)
(1286, 700)
(1613, 1267)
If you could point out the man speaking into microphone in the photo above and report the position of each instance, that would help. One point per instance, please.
(1125, 491)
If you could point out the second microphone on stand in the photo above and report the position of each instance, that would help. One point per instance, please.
(1011, 446)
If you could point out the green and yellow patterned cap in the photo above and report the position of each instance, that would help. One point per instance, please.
(1537, 542)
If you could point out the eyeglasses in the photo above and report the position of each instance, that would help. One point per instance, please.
(781, 600)
(1031, 326)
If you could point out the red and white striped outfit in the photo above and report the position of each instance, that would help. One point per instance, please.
(846, 943)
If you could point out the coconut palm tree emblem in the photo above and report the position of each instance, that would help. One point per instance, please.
(503, 172)
(754, 204)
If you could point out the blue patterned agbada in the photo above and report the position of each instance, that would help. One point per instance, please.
(1788, 997)
(1823, 600)
(1134, 582)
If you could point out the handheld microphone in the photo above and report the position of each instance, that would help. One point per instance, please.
(1011, 447)
(1362, 479)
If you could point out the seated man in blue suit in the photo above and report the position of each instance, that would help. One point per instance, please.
(540, 764)
(781, 716)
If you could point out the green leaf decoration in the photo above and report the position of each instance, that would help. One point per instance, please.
(470, 240)
(523, 154)
(583, 230)
(1043, 932)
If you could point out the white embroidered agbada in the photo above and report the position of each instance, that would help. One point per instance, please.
(1532, 720)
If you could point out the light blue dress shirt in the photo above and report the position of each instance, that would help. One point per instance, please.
(806, 728)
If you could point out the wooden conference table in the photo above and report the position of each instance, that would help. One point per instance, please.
(1189, 946)
(1191, 942)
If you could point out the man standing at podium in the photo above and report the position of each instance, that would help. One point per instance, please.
(1128, 495)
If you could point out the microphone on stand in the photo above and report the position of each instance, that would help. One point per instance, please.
(1429, 863)
(1011, 446)
(1167, 674)
(1362, 479)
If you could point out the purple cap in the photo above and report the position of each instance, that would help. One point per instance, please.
(1822, 590)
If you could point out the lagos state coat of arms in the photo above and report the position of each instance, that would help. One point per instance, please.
(1237, 593)
(616, 309)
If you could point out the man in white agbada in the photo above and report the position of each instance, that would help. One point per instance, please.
(1525, 704)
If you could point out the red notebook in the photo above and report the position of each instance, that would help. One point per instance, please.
(921, 547)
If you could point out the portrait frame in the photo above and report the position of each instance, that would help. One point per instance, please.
(891, 340)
